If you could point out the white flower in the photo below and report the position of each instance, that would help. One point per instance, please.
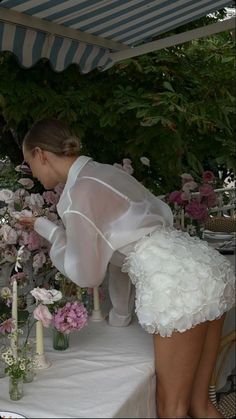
(35, 199)
(26, 182)
(9, 234)
(18, 258)
(46, 296)
(145, 161)
(6, 293)
(7, 196)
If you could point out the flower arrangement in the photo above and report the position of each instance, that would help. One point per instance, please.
(72, 316)
(52, 308)
(13, 235)
(17, 366)
(192, 202)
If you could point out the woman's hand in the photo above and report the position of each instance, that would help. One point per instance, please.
(28, 221)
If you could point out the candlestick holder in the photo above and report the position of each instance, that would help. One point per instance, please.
(97, 316)
(41, 362)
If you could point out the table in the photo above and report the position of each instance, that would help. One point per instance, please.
(107, 372)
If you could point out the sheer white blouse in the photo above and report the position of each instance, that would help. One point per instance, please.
(103, 210)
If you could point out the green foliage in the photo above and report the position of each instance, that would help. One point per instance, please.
(175, 106)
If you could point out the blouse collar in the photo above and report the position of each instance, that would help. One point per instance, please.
(74, 170)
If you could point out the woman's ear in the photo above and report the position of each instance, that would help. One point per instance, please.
(40, 154)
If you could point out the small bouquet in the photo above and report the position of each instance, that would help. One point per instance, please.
(192, 202)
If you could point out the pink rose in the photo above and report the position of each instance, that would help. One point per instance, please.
(189, 186)
(145, 161)
(186, 177)
(38, 261)
(26, 182)
(34, 241)
(6, 326)
(208, 176)
(59, 188)
(197, 211)
(50, 197)
(46, 296)
(185, 196)
(128, 168)
(7, 196)
(206, 190)
(211, 200)
(175, 197)
(42, 313)
(9, 234)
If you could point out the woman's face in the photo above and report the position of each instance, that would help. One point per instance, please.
(40, 167)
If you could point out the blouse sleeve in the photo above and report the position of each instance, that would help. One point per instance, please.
(82, 250)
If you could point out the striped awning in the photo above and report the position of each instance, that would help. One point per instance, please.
(91, 33)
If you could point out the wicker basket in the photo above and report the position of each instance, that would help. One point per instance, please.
(221, 224)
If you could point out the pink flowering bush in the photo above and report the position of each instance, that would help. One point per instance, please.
(73, 316)
(195, 199)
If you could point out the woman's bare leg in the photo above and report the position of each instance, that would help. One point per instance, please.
(177, 358)
(200, 404)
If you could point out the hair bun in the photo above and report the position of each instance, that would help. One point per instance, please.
(71, 146)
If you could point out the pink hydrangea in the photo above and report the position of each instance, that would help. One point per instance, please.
(73, 316)
(197, 210)
(205, 190)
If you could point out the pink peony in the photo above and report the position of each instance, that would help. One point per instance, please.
(197, 211)
(42, 313)
(208, 176)
(175, 197)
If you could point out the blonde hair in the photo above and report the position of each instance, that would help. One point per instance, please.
(54, 136)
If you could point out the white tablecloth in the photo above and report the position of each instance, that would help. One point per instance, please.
(107, 372)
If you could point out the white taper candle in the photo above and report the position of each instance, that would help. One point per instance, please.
(14, 319)
(96, 303)
(39, 338)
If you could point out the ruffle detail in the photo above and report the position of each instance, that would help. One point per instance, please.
(180, 281)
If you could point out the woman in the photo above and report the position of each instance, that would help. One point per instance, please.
(183, 287)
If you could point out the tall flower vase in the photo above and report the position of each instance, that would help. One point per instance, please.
(16, 388)
(60, 340)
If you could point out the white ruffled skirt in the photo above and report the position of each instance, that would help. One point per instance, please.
(180, 281)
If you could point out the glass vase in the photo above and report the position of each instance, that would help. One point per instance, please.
(15, 388)
(29, 375)
(60, 340)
